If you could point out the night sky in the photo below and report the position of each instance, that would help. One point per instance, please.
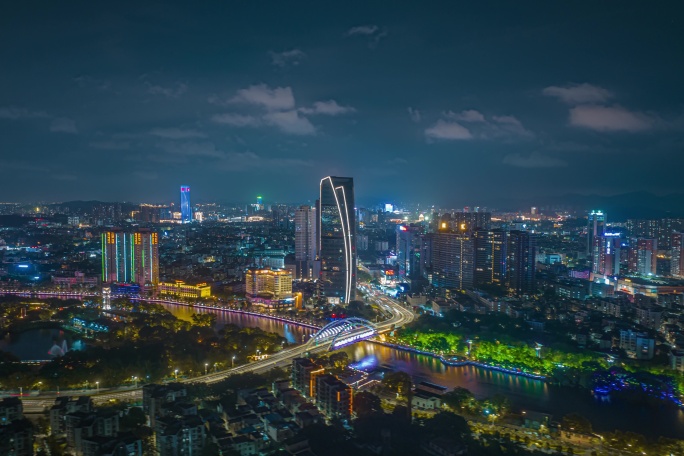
(439, 102)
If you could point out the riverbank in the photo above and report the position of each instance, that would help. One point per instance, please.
(235, 311)
(461, 363)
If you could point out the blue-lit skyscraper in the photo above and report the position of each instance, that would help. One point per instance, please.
(186, 209)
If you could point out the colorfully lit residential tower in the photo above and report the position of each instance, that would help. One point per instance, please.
(130, 257)
(337, 239)
(145, 258)
(116, 254)
(596, 226)
(186, 208)
(305, 241)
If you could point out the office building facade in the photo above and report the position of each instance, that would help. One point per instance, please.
(677, 254)
(521, 261)
(408, 250)
(186, 208)
(606, 254)
(596, 226)
(305, 241)
(185, 290)
(269, 287)
(490, 257)
(452, 260)
(337, 239)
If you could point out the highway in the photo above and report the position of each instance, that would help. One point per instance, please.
(400, 316)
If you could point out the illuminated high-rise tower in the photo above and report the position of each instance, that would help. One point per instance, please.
(145, 260)
(337, 239)
(305, 241)
(186, 209)
(116, 256)
(520, 262)
(130, 257)
(596, 226)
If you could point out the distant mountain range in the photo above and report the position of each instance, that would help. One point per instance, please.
(619, 207)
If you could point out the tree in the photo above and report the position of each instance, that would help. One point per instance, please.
(460, 399)
(401, 383)
(366, 403)
(210, 449)
(207, 319)
(134, 418)
(576, 423)
(448, 424)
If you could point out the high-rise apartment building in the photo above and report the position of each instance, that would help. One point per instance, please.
(471, 221)
(659, 229)
(409, 251)
(186, 208)
(596, 226)
(606, 254)
(452, 260)
(521, 261)
(130, 257)
(116, 254)
(677, 254)
(145, 259)
(305, 241)
(643, 256)
(490, 256)
(336, 233)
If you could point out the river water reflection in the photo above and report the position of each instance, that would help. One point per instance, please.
(34, 344)
(525, 393)
(292, 333)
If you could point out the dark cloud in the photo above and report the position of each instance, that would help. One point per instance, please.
(511, 96)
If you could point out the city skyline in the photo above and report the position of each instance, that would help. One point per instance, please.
(526, 96)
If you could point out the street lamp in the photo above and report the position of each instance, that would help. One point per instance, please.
(206, 365)
(98, 386)
(176, 373)
(215, 367)
(233, 361)
(135, 380)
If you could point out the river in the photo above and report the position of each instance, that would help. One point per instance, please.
(292, 333)
(34, 344)
(524, 393)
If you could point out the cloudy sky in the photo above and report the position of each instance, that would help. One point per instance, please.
(440, 102)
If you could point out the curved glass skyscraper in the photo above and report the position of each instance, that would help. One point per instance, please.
(337, 239)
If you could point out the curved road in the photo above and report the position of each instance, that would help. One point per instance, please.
(400, 316)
